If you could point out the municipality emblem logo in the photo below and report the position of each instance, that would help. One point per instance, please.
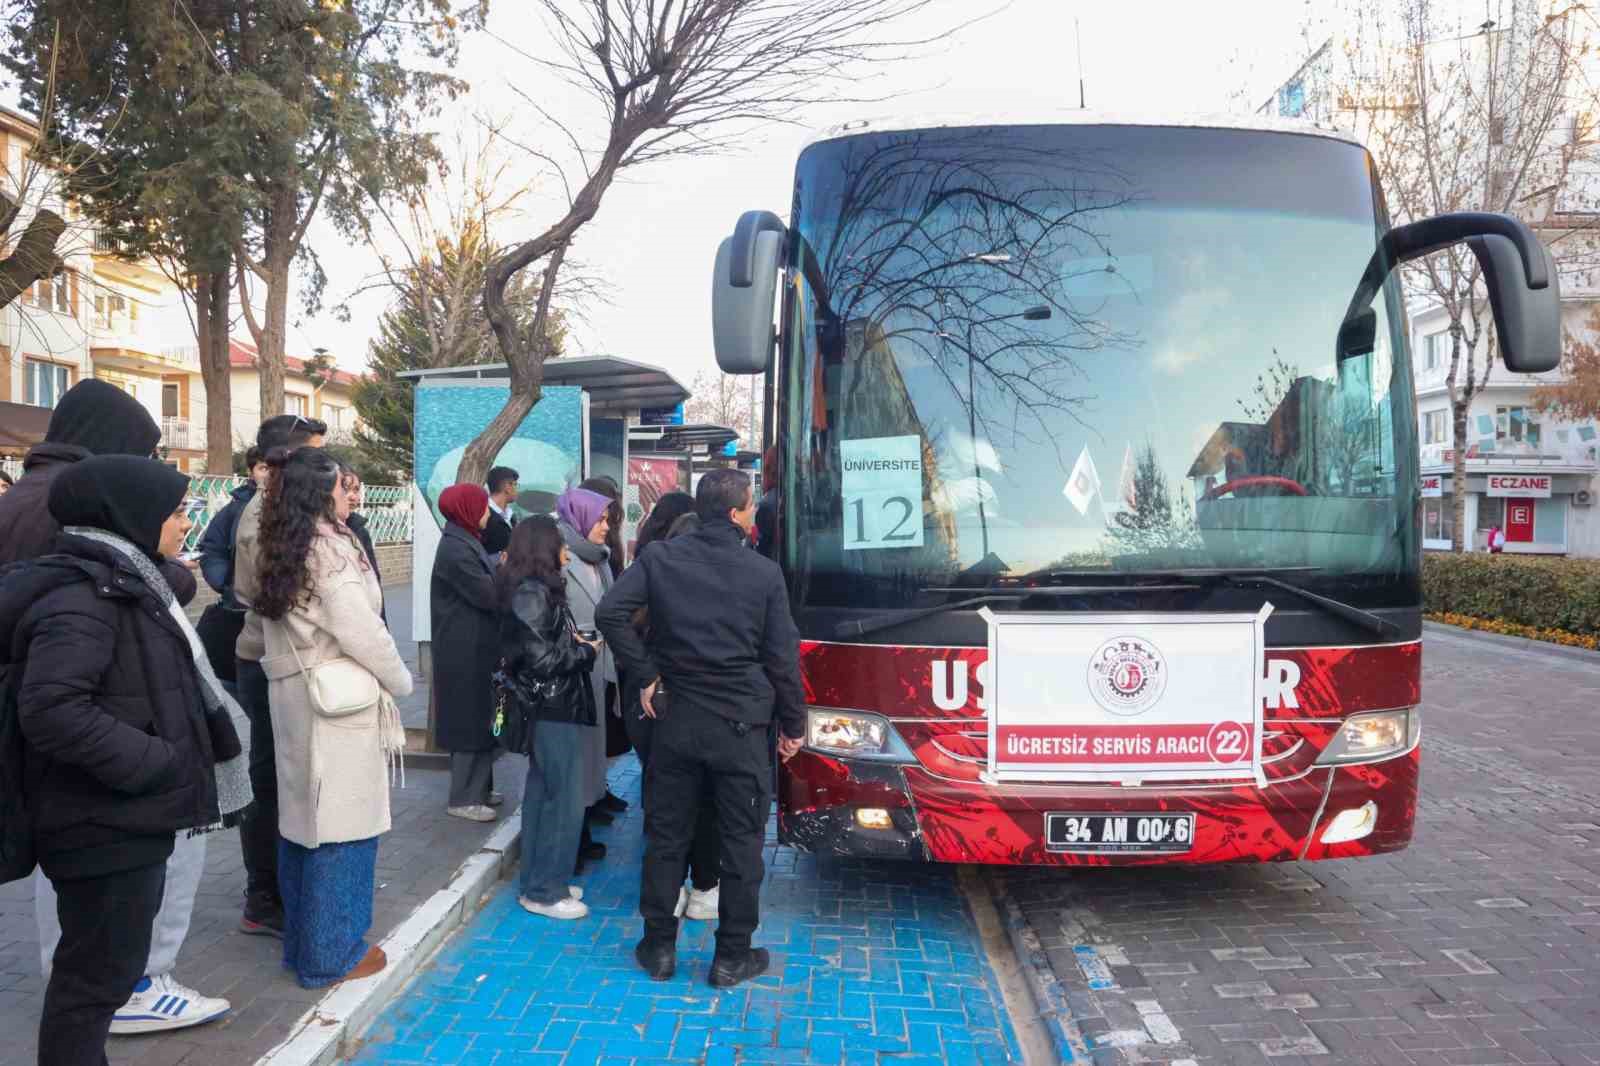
(1127, 675)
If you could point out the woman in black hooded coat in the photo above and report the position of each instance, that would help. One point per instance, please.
(122, 724)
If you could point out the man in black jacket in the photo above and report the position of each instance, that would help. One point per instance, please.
(723, 662)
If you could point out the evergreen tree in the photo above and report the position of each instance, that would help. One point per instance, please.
(1158, 523)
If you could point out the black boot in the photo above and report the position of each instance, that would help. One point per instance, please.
(657, 958)
(727, 972)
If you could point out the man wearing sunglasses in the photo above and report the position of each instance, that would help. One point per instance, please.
(96, 418)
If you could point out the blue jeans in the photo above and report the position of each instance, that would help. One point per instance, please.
(552, 812)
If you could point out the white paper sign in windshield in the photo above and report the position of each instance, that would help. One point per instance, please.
(882, 490)
(1125, 697)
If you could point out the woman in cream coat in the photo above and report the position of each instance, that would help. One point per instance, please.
(321, 601)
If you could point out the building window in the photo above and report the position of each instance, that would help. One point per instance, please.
(1436, 427)
(63, 293)
(294, 404)
(1292, 99)
(1433, 349)
(45, 382)
(334, 416)
(1516, 423)
(1491, 513)
(169, 400)
(1438, 519)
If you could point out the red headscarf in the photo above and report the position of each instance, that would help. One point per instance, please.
(464, 505)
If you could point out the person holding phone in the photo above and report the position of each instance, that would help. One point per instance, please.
(548, 665)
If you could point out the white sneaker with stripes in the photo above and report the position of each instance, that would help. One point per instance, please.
(160, 1003)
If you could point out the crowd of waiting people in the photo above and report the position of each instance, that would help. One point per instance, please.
(129, 734)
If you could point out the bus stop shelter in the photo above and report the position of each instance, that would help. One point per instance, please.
(578, 429)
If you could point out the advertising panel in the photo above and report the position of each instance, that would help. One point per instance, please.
(546, 450)
(1126, 698)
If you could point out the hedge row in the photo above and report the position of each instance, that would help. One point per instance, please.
(1545, 593)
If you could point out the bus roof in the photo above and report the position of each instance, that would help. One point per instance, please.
(1079, 117)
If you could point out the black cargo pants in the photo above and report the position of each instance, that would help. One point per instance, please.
(695, 753)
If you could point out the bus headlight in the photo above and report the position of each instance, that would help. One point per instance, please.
(1375, 736)
(855, 734)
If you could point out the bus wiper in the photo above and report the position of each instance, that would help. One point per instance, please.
(862, 626)
(1243, 579)
(1372, 623)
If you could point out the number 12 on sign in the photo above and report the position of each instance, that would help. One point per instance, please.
(882, 492)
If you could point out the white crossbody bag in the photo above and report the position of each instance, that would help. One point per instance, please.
(337, 687)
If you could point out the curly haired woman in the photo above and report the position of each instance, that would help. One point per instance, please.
(320, 598)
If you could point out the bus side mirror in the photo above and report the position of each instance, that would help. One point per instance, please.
(1358, 335)
(1526, 320)
(743, 287)
(1524, 285)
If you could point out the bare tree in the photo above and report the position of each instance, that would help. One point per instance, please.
(1466, 118)
(670, 78)
(31, 196)
(724, 400)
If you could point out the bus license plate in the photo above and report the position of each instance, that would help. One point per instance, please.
(1118, 833)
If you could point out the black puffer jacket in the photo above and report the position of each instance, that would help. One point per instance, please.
(538, 644)
(118, 756)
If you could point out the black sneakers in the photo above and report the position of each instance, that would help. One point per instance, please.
(727, 972)
(262, 917)
(656, 958)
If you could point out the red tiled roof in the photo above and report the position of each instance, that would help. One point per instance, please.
(243, 353)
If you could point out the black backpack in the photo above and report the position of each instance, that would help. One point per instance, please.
(20, 584)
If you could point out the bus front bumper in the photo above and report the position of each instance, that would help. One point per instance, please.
(867, 809)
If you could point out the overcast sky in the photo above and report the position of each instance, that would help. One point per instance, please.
(655, 237)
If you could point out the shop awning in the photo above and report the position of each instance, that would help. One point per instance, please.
(22, 425)
(612, 383)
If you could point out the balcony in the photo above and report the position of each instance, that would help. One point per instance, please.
(181, 433)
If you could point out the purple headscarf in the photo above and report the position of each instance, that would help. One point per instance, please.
(581, 509)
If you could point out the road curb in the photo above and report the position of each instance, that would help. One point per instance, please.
(325, 1034)
(1560, 651)
(1048, 996)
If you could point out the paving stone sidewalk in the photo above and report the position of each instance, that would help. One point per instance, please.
(1479, 945)
(415, 859)
(872, 963)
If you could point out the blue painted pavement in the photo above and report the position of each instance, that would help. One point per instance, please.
(872, 963)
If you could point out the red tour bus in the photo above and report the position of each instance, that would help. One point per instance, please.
(1097, 484)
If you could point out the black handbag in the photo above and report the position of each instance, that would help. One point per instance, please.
(516, 706)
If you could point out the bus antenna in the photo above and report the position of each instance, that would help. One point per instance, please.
(1077, 36)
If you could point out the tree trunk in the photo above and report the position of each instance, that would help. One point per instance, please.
(1458, 474)
(526, 360)
(279, 254)
(211, 321)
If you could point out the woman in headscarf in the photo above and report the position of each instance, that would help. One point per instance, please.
(128, 737)
(465, 635)
(335, 744)
(616, 735)
(584, 525)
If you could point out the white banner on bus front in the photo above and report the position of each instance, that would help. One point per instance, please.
(1126, 697)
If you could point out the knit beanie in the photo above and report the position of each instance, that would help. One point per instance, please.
(120, 494)
(102, 419)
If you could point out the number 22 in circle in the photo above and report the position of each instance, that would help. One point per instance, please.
(886, 520)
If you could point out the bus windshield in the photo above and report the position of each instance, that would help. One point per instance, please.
(1016, 350)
